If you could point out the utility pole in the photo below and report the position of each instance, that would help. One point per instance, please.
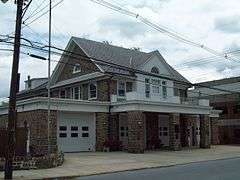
(49, 76)
(12, 112)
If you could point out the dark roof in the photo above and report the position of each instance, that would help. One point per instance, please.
(221, 81)
(113, 54)
(121, 56)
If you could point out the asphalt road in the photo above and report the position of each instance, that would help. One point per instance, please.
(211, 170)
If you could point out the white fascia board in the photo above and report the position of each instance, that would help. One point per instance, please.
(160, 107)
(57, 104)
(81, 78)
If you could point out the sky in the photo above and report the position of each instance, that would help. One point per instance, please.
(216, 24)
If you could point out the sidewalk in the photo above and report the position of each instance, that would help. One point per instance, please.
(82, 164)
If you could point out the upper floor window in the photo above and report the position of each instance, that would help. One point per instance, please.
(155, 70)
(147, 88)
(121, 88)
(92, 90)
(76, 68)
(164, 89)
(76, 92)
(156, 83)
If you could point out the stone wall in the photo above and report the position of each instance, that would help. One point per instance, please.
(136, 131)
(214, 131)
(43, 162)
(37, 123)
(101, 130)
(174, 132)
(204, 131)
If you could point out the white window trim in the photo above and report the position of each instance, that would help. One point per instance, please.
(73, 92)
(124, 90)
(89, 98)
(165, 85)
(77, 71)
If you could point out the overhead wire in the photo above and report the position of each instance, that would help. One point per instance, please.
(159, 28)
(117, 66)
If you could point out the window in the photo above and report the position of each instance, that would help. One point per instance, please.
(129, 86)
(85, 134)
(74, 128)
(63, 135)
(74, 134)
(123, 131)
(76, 93)
(156, 86)
(62, 93)
(147, 88)
(121, 88)
(164, 89)
(92, 91)
(163, 131)
(155, 70)
(62, 128)
(77, 68)
(85, 128)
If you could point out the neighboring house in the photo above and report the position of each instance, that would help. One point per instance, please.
(224, 95)
(94, 105)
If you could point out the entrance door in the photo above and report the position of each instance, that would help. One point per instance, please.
(123, 130)
(163, 124)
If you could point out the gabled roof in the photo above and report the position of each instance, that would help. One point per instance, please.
(112, 54)
(121, 56)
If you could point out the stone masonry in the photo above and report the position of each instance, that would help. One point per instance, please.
(174, 132)
(214, 131)
(101, 130)
(136, 131)
(37, 123)
(204, 131)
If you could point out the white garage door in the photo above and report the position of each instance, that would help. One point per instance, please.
(76, 132)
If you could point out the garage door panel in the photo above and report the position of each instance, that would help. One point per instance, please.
(76, 132)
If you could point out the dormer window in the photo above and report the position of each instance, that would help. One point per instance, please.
(155, 70)
(77, 68)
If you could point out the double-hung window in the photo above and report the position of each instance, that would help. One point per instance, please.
(164, 89)
(156, 86)
(93, 90)
(147, 88)
(121, 88)
(76, 92)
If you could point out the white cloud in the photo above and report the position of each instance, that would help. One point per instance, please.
(198, 20)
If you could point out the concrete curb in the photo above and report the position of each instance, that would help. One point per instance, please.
(139, 169)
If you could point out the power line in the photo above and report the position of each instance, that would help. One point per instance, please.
(113, 65)
(159, 28)
(43, 13)
(114, 74)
